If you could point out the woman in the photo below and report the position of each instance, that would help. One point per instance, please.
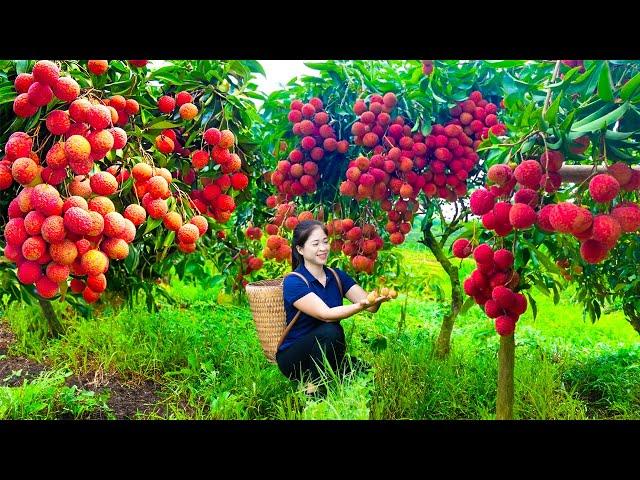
(317, 331)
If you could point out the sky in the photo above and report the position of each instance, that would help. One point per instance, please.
(279, 72)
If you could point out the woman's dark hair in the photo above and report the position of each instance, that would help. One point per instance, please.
(300, 236)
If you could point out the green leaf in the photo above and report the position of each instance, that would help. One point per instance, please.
(534, 306)
(152, 223)
(505, 63)
(254, 66)
(542, 257)
(605, 121)
(552, 112)
(629, 88)
(132, 260)
(22, 66)
(468, 303)
(541, 286)
(611, 135)
(169, 239)
(161, 124)
(605, 86)
(322, 66)
(606, 108)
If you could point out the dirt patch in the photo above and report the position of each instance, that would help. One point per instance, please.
(15, 370)
(126, 397)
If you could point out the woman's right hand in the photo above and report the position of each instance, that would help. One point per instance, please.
(365, 303)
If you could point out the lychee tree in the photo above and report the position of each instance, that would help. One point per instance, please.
(561, 195)
(83, 195)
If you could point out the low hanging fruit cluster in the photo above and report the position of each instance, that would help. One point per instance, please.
(599, 233)
(361, 244)
(493, 284)
(300, 173)
(249, 263)
(502, 210)
(50, 239)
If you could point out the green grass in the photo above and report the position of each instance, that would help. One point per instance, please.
(208, 361)
(47, 398)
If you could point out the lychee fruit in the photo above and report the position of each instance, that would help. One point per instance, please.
(522, 216)
(528, 174)
(482, 201)
(603, 188)
(462, 248)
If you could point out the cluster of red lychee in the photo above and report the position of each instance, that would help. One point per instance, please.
(392, 169)
(493, 283)
(300, 172)
(125, 108)
(152, 187)
(183, 100)
(598, 234)
(406, 163)
(84, 143)
(249, 263)
(285, 219)
(88, 133)
(374, 120)
(214, 198)
(50, 239)
(37, 89)
(501, 209)
(477, 117)
(361, 244)
(277, 247)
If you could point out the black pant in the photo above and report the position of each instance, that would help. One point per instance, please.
(305, 356)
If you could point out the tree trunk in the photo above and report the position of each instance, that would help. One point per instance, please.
(506, 363)
(443, 344)
(53, 324)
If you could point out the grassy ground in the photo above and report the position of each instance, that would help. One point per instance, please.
(205, 361)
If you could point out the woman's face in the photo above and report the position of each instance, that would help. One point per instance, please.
(316, 248)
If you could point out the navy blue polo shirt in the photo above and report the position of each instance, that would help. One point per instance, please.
(294, 289)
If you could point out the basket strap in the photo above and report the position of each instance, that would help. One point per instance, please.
(337, 280)
(295, 319)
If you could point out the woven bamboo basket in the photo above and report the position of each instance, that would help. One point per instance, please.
(267, 308)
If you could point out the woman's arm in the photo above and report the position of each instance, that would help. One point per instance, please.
(312, 305)
(356, 294)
